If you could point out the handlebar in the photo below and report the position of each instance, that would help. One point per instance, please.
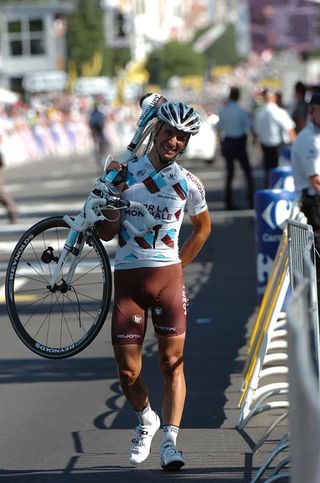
(88, 216)
(150, 222)
(102, 196)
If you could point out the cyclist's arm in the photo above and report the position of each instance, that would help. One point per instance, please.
(201, 224)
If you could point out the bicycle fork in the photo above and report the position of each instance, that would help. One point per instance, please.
(70, 252)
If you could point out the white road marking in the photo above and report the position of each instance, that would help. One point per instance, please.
(8, 246)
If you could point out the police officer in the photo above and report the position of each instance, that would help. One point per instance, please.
(305, 160)
(234, 123)
(274, 127)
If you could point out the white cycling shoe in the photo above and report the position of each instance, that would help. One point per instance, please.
(170, 458)
(141, 444)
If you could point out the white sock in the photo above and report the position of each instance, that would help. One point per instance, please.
(146, 416)
(170, 434)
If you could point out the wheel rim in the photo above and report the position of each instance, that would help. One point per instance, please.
(56, 323)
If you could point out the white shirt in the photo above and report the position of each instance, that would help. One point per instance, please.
(272, 124)
(305, 157)
(166, 194)
(234, 121)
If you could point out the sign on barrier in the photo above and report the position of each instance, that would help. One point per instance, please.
(45, 81)
(281, 178)
(273, 209)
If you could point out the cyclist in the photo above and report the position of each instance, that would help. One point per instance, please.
(149, 275)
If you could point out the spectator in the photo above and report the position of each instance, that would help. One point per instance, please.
(233, 126)
(97, 120)
(300, 109)
(274, 127)
(5, 198)
(279, 98)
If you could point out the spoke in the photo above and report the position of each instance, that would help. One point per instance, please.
(32, 268)
(36, 311)
(66, 321)
(88, 296)
(46, 317)
(31, 290)
(33, 302)
(84, 310)
(86, 273)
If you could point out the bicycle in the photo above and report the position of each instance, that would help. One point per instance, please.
(58, 283)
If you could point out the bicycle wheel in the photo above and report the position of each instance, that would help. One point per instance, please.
(57, 323)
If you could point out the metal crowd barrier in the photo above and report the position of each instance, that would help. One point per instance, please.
(302, 262)
(269, 355)
(304, 415)
(263, 351)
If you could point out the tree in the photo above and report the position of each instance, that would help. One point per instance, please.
(86, 42)
(85, 37)
(114, 59)
(223, 50)
(174, 58)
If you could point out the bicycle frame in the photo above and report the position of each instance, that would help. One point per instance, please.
(59, 279)
(71, 248)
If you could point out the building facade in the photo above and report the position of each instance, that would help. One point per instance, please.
(32, 39)
(32, 36)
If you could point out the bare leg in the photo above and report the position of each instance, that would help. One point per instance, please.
(129, 363)
(7, 201)
(174, 389)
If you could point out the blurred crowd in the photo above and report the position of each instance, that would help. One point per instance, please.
(50, 125)
(57, 124)
(61, 125)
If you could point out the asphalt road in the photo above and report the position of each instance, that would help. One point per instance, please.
(67, 421)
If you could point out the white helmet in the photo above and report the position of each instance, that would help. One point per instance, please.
(181, 116)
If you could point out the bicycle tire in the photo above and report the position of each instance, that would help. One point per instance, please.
(57, 324)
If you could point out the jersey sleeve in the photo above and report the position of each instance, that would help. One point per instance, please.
(196, 201)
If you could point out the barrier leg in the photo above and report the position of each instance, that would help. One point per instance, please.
(282, 445)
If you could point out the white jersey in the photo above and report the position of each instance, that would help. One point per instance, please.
(305, 157)
(272, 124)
(166, 194)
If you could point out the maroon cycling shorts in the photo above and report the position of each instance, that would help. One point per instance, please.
(136, 290)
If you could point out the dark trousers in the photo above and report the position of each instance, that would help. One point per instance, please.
(236, 149)
(270, 160)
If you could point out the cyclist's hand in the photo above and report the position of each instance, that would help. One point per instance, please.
(115, 166)
(122, 169)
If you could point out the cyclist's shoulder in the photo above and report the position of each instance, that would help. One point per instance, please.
(137, 162)
(189, 175)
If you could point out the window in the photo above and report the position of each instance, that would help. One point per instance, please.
(118, 31)
(36, 25)
(14, 27)
(16, 47)
(140, 7)
(26, 37)
(119, 25)
(37, 47)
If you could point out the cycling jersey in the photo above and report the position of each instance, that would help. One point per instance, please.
(166, 194)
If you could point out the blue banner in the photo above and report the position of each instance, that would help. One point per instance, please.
(273, 208)
(281, 178)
